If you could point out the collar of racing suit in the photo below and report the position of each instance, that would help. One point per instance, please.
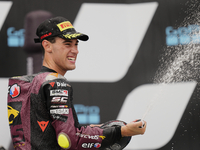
(46, 69)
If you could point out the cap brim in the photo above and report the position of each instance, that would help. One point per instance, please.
(77, 35)
(83, 37)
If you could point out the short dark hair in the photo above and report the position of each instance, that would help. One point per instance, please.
(51, 40)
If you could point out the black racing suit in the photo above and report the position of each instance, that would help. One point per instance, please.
(42, 116)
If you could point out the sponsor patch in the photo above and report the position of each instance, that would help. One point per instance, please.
(52, 84)
(62, 84)
(90, 145)
(14, 109)
(59, 99)
(87, 136)
(15, 123)
(97, 145)
(43, 124)
(59, 111)
(64, 25)
(48, 34)
(59, 106)
(12, 114)
(59, 92)
(59, 117)
(14, 90)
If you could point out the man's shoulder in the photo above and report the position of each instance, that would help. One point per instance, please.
(38, 76)
(56, 80)
(41, 77)
(26, 78)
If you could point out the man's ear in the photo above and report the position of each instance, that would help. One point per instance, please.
(47, 46)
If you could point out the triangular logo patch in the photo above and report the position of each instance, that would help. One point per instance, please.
(43, 124)
(52, 84)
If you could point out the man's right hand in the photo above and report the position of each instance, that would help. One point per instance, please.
(133, 128)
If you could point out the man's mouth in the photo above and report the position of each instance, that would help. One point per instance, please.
(71, 58)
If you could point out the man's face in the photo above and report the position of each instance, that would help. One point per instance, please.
(64, 53)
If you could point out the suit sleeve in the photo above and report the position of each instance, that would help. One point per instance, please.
(69, 134)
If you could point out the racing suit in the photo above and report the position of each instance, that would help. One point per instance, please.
(42, 116)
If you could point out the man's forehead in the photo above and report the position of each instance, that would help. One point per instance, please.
(69, 40)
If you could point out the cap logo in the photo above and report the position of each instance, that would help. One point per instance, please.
(71, 36)
(64, 25)
(48, 34)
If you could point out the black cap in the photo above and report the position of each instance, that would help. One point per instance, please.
(58, 26)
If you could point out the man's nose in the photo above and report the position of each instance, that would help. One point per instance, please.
(75, 50)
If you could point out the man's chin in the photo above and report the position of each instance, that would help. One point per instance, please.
(71, 68)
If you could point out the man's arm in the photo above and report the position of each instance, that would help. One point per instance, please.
(131, 129)
(69, 134)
